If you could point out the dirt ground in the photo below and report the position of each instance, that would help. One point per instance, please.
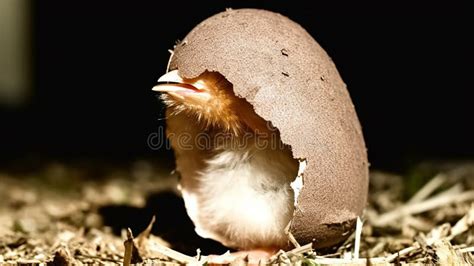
(78, 213)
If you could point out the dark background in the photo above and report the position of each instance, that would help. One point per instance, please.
(408, 69)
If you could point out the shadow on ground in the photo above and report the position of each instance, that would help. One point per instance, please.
(172, 223)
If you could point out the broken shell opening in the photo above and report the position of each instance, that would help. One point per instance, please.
(297, 181)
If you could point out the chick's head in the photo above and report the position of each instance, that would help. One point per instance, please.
(209, 98)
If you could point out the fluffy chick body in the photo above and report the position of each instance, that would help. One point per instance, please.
(235, 172)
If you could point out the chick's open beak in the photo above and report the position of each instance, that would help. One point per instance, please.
(187, 91)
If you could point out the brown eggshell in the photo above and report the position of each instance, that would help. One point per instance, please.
(289, 79)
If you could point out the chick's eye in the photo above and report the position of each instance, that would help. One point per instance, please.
(200, 85)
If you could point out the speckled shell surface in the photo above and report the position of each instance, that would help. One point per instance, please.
(289, 79)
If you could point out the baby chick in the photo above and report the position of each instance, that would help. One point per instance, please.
(235, 171)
